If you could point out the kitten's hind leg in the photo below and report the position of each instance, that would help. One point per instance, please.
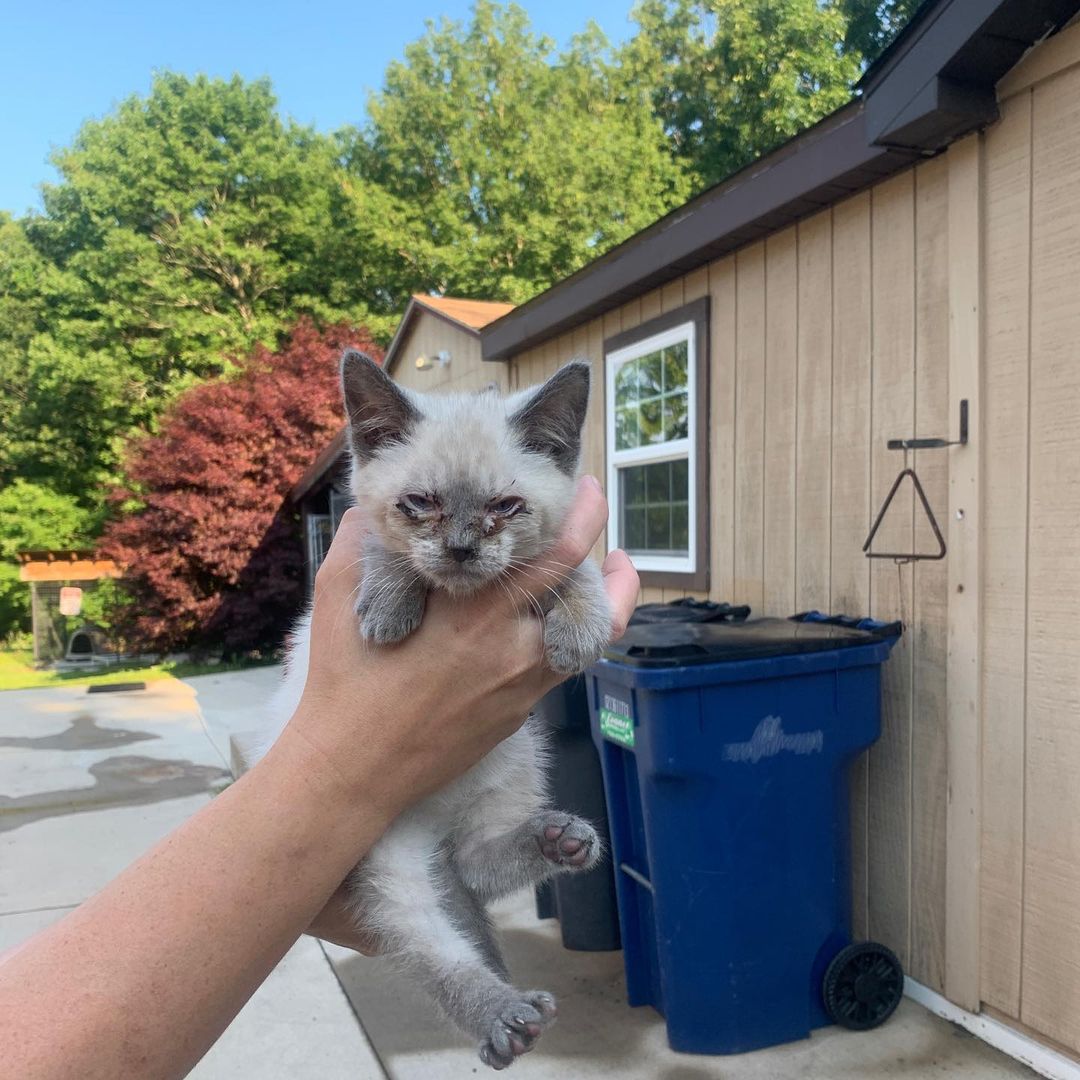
(429, 929)
(546, 843)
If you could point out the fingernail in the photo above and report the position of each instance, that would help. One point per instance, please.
(597, 486)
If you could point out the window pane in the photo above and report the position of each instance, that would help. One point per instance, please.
(680, 527)
(632, 482)
(658, 528)
(680, 480)
(652, 422)
(676, 425)
(651, 375)
(633, 537)
(626, 383)
(653, 508)
(675, 376)
(658, 482)
(626, 428)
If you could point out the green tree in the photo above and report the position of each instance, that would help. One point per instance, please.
(187, 226)
(493, 166)
(872, 24)
(32, 517)
(196, 221)
(731, 79)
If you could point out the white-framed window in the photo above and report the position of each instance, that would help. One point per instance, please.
(652, 436)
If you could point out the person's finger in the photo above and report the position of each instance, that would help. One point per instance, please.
(621, 583)
(342, 564)
(582, 528)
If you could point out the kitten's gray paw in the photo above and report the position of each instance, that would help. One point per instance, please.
(567, 841)
(386, 624)
(572, 644)
(514, 1029)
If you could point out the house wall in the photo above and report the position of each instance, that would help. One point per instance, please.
(831, 337)
(466, 370)
(1031, 641)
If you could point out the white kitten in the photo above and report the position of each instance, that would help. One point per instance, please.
(458, 489)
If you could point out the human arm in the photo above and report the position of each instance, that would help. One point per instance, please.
(142, 978)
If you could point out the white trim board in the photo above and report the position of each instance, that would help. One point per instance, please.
(1044, 1060)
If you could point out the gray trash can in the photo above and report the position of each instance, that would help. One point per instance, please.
(584, 904)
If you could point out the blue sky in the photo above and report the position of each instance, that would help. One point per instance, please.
(68, 60)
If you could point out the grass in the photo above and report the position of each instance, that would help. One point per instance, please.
(17, 672)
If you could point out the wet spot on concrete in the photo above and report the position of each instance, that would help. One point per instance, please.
(127, 780)
(83, 734)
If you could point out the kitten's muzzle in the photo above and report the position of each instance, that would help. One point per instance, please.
(463, 554)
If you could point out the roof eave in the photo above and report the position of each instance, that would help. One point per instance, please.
(812, 170)
(934, 85)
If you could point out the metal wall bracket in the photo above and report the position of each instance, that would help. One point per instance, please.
(935, 444)
(906, 445)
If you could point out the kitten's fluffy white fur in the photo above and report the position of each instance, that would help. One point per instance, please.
(458, 489)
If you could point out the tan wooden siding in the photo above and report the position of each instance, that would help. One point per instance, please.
(466, 371)
(828, 339)
(815, 337)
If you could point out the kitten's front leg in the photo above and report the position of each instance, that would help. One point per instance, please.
(392, 596)
(578, 626)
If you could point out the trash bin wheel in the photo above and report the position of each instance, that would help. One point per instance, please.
(863, 985)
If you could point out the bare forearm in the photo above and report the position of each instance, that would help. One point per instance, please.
(142, 978)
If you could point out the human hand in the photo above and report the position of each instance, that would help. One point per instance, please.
(394, 723)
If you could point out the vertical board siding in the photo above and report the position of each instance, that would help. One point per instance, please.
(1050, 972)
(892, 416)
(467, 371)
(781, 396)
(826, 340)
(1005, 485)
(850, 507)
(750, 301)
(928, 625)
(722, 352)
(813, 447)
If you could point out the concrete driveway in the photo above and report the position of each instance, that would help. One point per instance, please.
(90, 781)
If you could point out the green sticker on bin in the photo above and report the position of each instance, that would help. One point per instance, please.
(616, 727)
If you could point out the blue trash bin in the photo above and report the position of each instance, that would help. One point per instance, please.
(725, 752)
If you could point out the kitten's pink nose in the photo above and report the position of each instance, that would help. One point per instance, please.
(463, 554)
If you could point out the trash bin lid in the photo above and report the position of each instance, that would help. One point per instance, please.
(681, 644)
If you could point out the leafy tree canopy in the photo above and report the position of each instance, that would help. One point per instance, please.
(498, 165)
(731, 79)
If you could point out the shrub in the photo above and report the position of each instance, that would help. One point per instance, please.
(209, 544)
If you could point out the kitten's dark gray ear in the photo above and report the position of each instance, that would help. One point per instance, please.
(379, 412)
(550, 421)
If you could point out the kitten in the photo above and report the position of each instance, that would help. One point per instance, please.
(458, 489)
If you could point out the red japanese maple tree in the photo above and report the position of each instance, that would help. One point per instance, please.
(212, 554)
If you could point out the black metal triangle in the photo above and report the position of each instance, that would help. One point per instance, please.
(913, 556)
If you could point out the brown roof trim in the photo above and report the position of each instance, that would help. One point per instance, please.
(824, 163)
(320, 465)
(934, 84)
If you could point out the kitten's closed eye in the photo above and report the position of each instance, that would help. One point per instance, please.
(508, 506)
(414, 504)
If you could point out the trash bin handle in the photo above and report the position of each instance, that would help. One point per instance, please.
(641, 879)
